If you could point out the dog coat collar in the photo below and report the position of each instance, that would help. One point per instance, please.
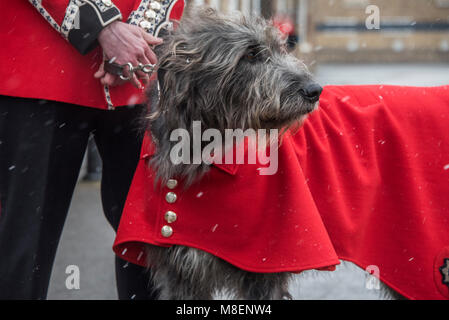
(365, 180)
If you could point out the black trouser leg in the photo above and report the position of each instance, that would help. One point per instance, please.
(41, 151)
(119, 141)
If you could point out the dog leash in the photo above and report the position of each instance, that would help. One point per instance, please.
(156, 18)
(126, 71)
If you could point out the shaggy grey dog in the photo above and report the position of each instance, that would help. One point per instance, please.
(228, 72)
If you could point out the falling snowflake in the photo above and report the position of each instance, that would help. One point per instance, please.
(140, 255)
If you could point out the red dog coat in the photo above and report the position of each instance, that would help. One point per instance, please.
(366, 179)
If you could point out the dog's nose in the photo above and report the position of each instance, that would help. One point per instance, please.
(311, 92)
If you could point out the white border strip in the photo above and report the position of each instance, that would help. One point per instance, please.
(38, 5)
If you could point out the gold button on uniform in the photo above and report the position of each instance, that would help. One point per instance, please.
(156, 6)
(107, 3)
(171, 197)
(150, 14)
(170, 216)
(166, 231)
(172, 183)
(145, 24)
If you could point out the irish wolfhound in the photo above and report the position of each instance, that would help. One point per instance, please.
(227, 72)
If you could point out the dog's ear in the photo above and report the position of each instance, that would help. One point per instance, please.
(175, 73)
(149, 113)
(197, 17)
(171, 95)
(193, 11)
(174, 88)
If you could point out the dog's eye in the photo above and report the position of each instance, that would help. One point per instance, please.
(250, 55)
(253, 53)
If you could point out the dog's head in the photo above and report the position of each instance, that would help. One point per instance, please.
(226, 72)
(232, 72)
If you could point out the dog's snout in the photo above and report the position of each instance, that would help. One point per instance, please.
(311, 92)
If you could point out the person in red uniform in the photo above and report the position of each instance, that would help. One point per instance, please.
(54, 94)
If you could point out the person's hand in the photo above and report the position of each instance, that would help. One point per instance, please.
(127, 43)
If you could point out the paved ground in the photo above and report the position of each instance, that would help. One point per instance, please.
(87, 239)
(86, 242)
(396, 74)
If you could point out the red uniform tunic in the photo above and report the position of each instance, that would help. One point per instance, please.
(37, 62)
(366, 179)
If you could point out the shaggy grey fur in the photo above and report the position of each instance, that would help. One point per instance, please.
(227, 72)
